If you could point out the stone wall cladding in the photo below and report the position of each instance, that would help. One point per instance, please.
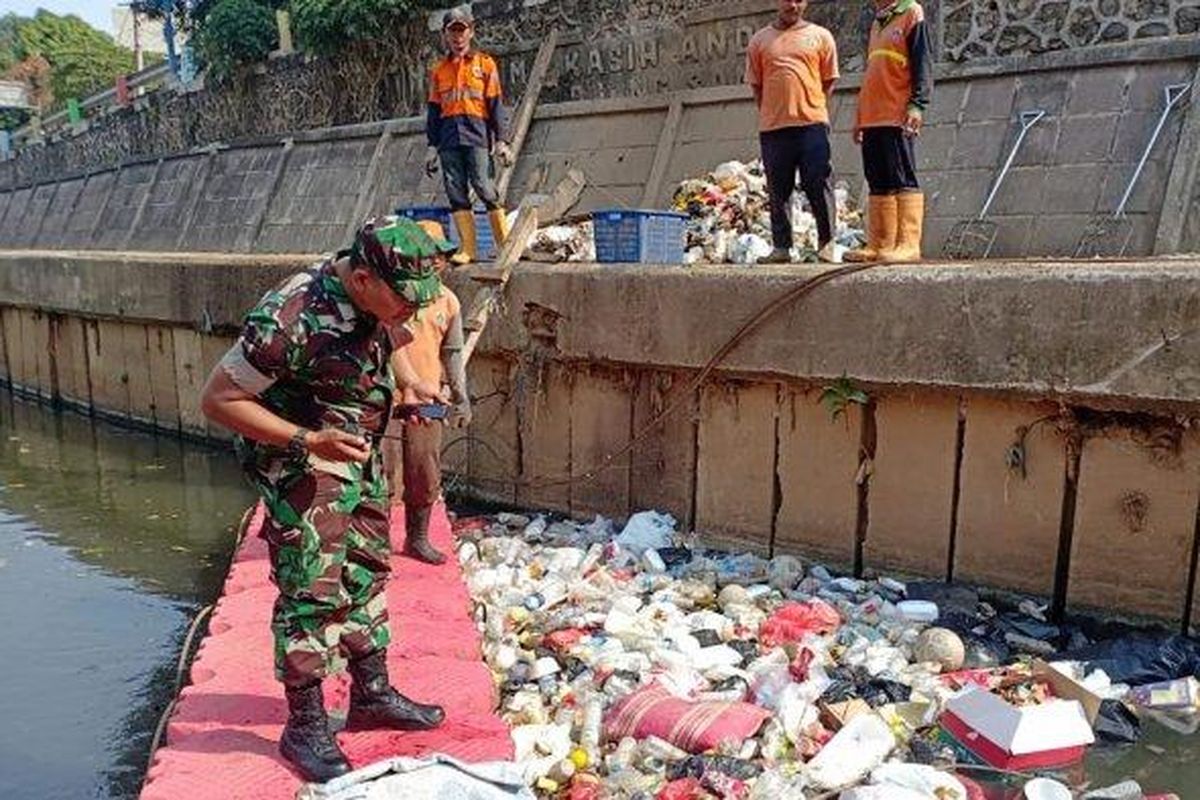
(975, 28)
(606, 49)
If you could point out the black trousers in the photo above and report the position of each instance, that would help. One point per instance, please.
(889, 161)
(804, 149)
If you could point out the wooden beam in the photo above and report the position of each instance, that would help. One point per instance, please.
(524, 117)
(662, 154)
(488, 297)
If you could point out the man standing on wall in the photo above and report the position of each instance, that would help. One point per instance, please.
(307, 388)
(466, 126)
(435, 357)
(895, 93)
(792, 65)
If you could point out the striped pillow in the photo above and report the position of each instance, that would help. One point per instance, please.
(692, 726)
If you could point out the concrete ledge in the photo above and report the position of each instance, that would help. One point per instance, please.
(202, 290)
(1095, 332)
(1122, 333)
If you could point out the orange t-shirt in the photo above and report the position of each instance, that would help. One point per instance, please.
(428, 329)
(792, 67)
(887, 83)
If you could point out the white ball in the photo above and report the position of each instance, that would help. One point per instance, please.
(940, 646)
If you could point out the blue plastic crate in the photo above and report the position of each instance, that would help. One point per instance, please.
(484, 242)
(439, 214)
(627, 236)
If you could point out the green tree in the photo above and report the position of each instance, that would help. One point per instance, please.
(235, 32)
(326, 26)
(10, 42)
(82, 59)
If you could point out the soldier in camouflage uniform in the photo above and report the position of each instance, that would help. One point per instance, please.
(308, 388)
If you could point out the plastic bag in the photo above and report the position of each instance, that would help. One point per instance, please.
(647, 530)
(1115, 722)
(1142, 659)
(853, 752)
(791, 621)
(927, 781)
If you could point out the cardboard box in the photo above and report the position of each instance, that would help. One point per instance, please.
(835, 715)
(1067, 688)
(993, 731)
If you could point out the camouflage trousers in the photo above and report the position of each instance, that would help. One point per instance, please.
(329, 547)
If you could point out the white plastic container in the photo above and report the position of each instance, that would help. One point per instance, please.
(918, 610)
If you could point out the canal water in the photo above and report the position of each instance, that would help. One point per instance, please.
(110, 542)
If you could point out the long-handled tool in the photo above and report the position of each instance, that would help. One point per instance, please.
(1107, 236)
(974, 238)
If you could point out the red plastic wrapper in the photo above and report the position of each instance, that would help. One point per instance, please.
(682, 789)
(584, 787)
(800, 664)
(792, 621)
(563, 640)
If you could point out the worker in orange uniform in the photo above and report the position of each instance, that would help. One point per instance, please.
(466, 125)
(791, 65)
(896, 91)
(434, 358)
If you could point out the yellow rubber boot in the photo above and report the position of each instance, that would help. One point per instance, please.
(911, 213)
(882, 222)
(498, 218)
(464, 223)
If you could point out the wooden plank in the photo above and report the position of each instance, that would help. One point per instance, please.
(487, 298)
(106, 368)
(135, 354)
(190, 376)
(5, 363)
(544, 402)
(1135, 521)
(72, 362)
(601, 418)
(1008, 525)
(164, 394)
(910, 509)
(818, 465)
(492, 452)
(529, 102)
(663, 469)
(13, 343)
(662, 154)
(735, 465)
(38, 352)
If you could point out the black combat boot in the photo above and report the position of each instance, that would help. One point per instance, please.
(416, 536)
(375, 704)
(306, 741)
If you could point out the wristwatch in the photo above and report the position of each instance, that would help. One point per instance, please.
(296, 445)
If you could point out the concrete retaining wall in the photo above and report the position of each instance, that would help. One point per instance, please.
(304, 193)
(1030, 427)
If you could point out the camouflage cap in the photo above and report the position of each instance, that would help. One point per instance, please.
(402, 254)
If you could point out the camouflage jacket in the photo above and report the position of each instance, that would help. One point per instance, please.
(316, 360)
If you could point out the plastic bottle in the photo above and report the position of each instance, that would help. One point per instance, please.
(590, 728)
(534, 530)
(653, 561)
(622, 757)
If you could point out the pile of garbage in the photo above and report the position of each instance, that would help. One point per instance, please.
(637, 664)
(730, 221)
(556, 243)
